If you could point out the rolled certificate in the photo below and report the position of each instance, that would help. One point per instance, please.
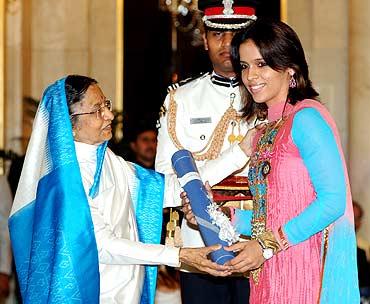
(188, 175)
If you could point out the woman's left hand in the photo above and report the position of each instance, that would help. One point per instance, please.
(249, 256)
(198, 258)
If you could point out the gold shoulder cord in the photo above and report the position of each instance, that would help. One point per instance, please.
(213, 147)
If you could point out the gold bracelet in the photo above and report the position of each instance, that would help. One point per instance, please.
(269, 241)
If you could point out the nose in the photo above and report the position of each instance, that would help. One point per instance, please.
(108, 114)
(228, 36)
(251, 74)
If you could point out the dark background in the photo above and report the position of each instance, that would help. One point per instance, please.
(148, 64)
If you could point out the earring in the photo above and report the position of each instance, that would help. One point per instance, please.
(73, 133)
(292, 82)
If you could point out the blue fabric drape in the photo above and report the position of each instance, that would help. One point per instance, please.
(52, 235)
(148, 204)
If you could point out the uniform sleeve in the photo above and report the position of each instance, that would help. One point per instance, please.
(229, 161)
(319, 151)
(165, 146)
(5, 206)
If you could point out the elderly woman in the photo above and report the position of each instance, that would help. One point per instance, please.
(84, 221)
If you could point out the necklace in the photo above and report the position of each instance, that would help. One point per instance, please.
(260, 167)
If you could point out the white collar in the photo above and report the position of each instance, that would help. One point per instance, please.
(85, 152)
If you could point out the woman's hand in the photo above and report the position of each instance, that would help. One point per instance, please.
(197, 257)
(249, 256)
(246, 143)
(186, 208)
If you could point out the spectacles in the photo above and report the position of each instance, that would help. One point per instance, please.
(99, 112)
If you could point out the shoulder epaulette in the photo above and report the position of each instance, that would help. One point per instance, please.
(176, 85)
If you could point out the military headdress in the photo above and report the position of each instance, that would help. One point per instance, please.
(227, 15)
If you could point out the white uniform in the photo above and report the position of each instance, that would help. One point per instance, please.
(121, 255)
(200, 105)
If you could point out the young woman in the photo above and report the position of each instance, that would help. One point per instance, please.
(303, 247)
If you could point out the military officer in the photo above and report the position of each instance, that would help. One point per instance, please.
(203, 116)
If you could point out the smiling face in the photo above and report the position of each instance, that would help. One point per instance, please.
(218, 44)
(93, 128)
(263, 83)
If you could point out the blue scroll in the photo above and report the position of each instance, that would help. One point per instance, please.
(188, 175)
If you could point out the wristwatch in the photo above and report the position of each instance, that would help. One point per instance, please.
(266, 251)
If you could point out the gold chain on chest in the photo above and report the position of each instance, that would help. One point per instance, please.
(214, 145)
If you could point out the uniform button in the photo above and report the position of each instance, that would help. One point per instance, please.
(202, 137)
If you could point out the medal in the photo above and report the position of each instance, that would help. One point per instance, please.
(266, 168)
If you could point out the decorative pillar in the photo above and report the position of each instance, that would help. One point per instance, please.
(323, 29)
(2, 82)
(359, 72)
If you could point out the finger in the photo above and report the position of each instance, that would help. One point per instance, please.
(185, 201)
(240, 259)
(186, 204)
(239, 263)
(248, 263)
(185, 207)
(189, 214)
(218, 273)
(212, 248)
(261, 126)
(235, 247)
(235, 262)
(192, 220)
(243, 270)
(214, 266)
(218, 267)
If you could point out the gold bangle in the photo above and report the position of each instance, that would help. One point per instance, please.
(269, 241)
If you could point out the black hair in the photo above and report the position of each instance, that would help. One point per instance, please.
(76, 87)
(281, 49)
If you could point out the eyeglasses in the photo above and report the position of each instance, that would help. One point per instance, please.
(99, 112)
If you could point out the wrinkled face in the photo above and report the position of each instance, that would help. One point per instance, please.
(94, 128)
(218, 43)
(145, 146)
(265, 84)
